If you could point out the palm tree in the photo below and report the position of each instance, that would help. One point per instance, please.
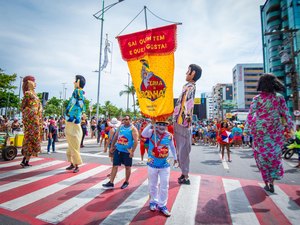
(129, 90)
(107, 108)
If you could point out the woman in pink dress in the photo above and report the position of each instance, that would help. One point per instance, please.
(267, 112)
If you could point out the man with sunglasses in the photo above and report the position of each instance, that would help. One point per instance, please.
(123, 146)
(182, 116)
(160, 142)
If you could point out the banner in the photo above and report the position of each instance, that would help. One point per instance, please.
(150, 58)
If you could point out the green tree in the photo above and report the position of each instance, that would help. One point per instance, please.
(130, 90)
(109, 110)
(53, 107)
(7, 97)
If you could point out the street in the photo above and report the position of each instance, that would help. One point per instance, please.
(220, 192)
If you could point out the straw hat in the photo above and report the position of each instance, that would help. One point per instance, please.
(114, 123)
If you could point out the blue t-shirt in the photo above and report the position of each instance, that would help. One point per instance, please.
(125, 139)
(158, 157)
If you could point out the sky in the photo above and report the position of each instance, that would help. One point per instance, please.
(56, 39)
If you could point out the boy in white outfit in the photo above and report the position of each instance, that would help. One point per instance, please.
(160, 144)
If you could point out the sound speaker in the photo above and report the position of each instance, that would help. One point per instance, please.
(44, 98)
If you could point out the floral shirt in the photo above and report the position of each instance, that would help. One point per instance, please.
(75, 106)
(183, 111)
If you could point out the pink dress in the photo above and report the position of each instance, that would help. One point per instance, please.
(266, 121)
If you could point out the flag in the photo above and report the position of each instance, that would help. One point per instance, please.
(226, 136)
(106, 51)
(150, 58)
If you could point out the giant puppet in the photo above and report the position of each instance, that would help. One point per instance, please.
(73, 129)
(32, 120)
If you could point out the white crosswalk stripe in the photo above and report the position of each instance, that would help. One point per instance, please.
(130, 207)
(25, 181)
(285, 204)
(17, 163)
(29, 169)
(42, 193)
(65, 209)
(239, 206)
(183, 197)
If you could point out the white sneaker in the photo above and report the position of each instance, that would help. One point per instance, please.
(49, 153)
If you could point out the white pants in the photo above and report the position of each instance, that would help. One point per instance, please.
(158, 193)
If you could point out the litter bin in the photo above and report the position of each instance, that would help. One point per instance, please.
(11, 140)
(19, 139)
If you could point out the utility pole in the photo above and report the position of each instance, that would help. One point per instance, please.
(293, 72)
(21, 79)
(100, 16)
(128, 92)
(64, 98)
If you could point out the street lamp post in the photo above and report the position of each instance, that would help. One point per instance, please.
(128, 93)
(293, 72)
(63, 98)
(100, 16)
(21, 79)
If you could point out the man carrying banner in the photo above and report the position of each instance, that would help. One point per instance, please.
(183, 113)
(160, 145)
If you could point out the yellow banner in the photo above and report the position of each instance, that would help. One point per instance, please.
(150, 58)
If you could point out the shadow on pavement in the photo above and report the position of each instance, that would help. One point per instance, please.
(212, 162)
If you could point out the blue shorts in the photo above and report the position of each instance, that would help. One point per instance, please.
(121, 158)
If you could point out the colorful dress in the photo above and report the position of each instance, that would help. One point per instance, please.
(33, 124)
(265, 122)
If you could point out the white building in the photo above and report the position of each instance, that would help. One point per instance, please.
(245, 77)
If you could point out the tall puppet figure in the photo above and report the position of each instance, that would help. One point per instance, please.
(73, 129)
(183, 113)
(32, 121)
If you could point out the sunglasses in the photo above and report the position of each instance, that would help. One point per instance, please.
(125, 119)
(161, 124)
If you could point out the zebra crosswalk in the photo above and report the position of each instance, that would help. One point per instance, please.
(48, 194)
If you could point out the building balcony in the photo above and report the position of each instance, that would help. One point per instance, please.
(272, 54)
(272, 5)
(274, 25)
(284, 15)
(279, 73)
(275, 63)
(271, 16)
(276, 43)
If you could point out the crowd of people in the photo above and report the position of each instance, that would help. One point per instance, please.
(10, 126)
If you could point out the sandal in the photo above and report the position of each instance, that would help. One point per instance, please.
(272, 188)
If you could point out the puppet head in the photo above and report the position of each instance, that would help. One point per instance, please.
(79, 81)
(269, 83)
(28, 83)
(195, 71)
